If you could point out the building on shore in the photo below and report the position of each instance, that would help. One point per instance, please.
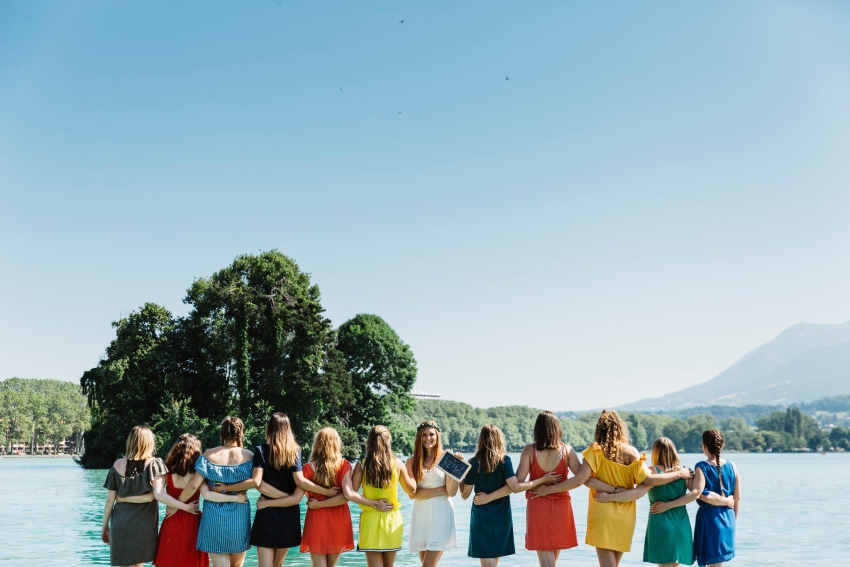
(419, 395)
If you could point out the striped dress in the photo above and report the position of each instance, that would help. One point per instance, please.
(225, 526)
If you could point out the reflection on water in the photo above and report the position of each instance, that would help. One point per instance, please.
(795, 512)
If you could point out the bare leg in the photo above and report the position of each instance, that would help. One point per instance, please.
(318, 560)
(375, 559)
(489, 561)
(220, 559)
(547, 557)
(389, 558)
(430, 558)
(332, 559)
(674, 564)
(608, 557)
(237, 559)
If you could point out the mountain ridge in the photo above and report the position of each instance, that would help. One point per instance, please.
(804, 362)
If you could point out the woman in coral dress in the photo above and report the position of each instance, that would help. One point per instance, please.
(550, 526)
(327, 526)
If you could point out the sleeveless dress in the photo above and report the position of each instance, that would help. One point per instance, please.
(549, 519)
(225, 526)
(611, 525)
(381, 531)
(668, 535)
(132, 527)
(178, 535)
(432, 523)
(714, 529)
(327, 530)
(491, 526)
(277, 527)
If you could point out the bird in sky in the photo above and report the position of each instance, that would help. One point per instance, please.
(401, 22)
(340, 89)
(507, 78)
(399, 112)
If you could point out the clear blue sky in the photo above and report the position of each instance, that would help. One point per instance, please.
(659, 188)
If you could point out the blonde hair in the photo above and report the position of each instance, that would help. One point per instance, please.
(419, 450)
(611, 433)
(140, 444)
(490, 452)
(379, 461)
(326, 456)
(664, 453)
(283, 450)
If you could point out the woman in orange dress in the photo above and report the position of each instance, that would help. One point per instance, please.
(327, 526)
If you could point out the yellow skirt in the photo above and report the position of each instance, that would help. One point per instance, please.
(380, 531)
(610, 525)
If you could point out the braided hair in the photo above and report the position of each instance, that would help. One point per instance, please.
(713, 441)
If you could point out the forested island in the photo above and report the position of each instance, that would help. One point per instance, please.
(256, 341)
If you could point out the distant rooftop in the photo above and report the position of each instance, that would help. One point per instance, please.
(419, 395)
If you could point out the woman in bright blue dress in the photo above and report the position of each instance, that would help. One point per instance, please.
(714, 530)
(225, 526)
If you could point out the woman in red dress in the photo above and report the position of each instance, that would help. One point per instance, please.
(179, 531)
(327, 526)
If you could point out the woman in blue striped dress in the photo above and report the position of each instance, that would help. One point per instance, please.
(225, 525)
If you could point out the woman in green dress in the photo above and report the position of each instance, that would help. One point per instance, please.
(491, 528)
(669, 540)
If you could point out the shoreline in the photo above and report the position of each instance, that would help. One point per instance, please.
(38, 456)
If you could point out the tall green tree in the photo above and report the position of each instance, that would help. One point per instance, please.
(381, 369)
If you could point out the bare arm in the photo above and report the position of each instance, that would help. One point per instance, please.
(524, 468)
(684, 500)
(407, 482)
(107, 512)
(292, 500)
(315, 503)
(657, 479)
(736, 494)
(213, 496)
(451, 486)
(161, 495)
(351, 494)
(482, 498)
(623, 495)
(712, 498)
(311, 486)
(580, 478)
(465, 490)
(191, 488)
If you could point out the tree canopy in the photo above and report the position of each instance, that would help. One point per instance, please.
(255, 341)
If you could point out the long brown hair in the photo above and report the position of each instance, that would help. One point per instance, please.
(183, 454)
(140, 444)
(664, 454)
(713, 441)
(326, 456)
(232, 429)
(547, 431)
(379, 461)
(490, 452)
(419, 450)
(283, 450)
(611, 433)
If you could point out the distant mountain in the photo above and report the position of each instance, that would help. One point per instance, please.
(803, 363)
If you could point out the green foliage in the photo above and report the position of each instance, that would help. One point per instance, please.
(41, 411)
(255, 341)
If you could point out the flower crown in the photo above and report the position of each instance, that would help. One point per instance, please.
(431, 424)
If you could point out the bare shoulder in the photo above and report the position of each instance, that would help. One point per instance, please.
(120, 466)
(630, 453)
(528, 450)
(399, 464)
(247, 455)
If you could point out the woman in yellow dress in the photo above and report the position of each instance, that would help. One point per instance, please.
(611, 464)
(381, 523)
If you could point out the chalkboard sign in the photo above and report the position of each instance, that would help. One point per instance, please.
(453, 466)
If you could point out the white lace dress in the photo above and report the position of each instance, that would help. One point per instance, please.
(432, 524)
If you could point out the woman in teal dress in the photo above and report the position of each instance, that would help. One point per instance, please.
(491, 527)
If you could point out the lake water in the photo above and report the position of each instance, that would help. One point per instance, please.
(795, 511)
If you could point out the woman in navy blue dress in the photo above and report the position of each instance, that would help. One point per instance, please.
(714, 530)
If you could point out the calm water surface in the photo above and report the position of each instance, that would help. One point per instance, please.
(795, 511)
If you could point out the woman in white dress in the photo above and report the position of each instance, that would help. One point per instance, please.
(432, 524)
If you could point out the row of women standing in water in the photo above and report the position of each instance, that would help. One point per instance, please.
(613, 470)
